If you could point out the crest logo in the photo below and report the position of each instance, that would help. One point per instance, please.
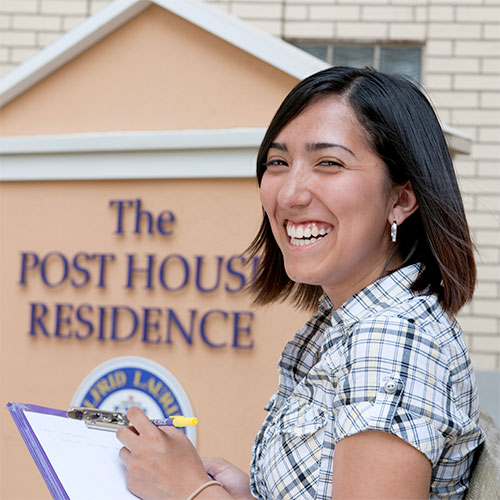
(123, 382)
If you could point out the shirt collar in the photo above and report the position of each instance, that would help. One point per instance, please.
(383, 293)
(325, 304)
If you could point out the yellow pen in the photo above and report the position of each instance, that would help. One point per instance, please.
(176, 421)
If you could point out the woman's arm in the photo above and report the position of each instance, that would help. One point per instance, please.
(379, 465)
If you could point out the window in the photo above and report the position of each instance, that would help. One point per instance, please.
(403, 60)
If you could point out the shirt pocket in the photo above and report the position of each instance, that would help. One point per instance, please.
(301, 419)
(293, 458)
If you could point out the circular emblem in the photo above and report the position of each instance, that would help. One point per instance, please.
(127, 381)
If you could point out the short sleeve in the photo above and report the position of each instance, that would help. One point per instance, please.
(396, 380)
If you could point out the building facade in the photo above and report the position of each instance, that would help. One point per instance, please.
(117, 240)
(456, 45)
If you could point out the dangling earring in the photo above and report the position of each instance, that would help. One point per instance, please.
(394, 231)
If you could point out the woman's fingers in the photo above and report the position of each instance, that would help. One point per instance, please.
(125, 456)
(214, 465)
(141, 425)
(139, 420)
(128, 437)
(234, 480)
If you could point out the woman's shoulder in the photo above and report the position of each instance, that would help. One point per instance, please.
(415, 317)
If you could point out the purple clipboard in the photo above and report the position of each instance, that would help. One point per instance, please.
(76, 462)
(17, 411)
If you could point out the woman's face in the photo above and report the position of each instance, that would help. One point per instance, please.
(328, 199)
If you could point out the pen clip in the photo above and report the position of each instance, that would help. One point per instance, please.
(99, 419)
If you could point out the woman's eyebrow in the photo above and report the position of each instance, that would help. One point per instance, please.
(279, 146)
(317, 146)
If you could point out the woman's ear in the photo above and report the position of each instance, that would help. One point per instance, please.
(405, 203)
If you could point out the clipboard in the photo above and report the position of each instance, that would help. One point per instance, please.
(75, 461)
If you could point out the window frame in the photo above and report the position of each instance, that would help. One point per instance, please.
(377, 50)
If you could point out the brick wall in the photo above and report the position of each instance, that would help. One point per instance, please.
(461, 73)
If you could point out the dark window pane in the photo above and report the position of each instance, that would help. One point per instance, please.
(402, 60)
(318, 51)
(359, 57)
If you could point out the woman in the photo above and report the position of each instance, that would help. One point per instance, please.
(377, 396)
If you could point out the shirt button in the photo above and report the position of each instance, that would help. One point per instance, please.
(390, 387)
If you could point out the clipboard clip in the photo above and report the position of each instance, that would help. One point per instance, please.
(99, 419)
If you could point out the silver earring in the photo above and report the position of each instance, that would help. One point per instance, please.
(394, 231)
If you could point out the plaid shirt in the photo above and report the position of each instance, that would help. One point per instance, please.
(386, 360)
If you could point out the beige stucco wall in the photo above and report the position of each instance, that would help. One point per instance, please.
(461, 72)
(130, 81)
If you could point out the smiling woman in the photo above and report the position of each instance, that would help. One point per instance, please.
(382, 367)
(363, 223)
(391, 118)
(322, 175)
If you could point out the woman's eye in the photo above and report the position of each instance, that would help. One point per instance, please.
(271, 163)
(330, 163)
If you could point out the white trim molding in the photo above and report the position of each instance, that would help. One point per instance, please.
(268, 48)
(458, 141)
(173, 154)
(221, 153)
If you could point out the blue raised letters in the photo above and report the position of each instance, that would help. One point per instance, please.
(102, 319)
(165, 219)
(203, 332)
(80, 269)
(188, 335)
(81, 319)
(148, 324)
(233, 272)
(43, 269)
(103, 259)
(119, 220)
(114, 322)
(63, 320)
(199, 266)
(24, 265)
(148, 270)
(140, 214)
(162, 273)
(238, 329)
(38, 313)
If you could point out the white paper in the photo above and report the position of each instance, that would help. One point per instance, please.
(85, 460)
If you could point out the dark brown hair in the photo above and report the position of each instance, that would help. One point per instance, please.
(404, 131)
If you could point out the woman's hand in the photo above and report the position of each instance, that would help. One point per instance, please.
(161, 462)
(234, 480)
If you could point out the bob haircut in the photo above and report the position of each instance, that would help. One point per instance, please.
(403, 130)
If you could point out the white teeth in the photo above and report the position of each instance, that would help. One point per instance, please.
(303, 236)
(302, 243)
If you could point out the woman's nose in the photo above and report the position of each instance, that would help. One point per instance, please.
(295, 190)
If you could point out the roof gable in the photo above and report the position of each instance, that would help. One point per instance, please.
(267, 48)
